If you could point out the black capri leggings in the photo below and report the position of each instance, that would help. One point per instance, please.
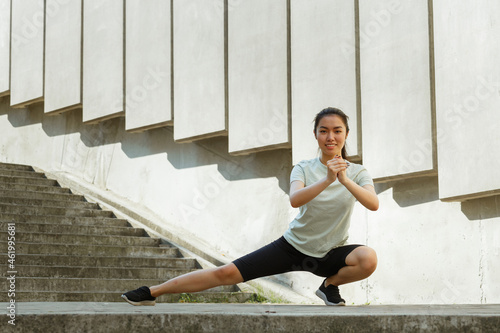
(281, 257)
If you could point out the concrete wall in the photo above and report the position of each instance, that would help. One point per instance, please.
(417, 93)
(103, 78)
(27, 57)
(200, 109)
(257, 75)
(4, 47)
(396, 87)
(63, 56)
(468, 98)
(147, 72)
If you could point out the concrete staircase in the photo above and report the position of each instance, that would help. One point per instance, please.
(68, 249)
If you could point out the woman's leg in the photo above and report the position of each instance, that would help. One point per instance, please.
(199, 280)
(361, 263)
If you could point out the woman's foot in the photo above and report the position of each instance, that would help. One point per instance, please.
(330, 294)
(140, 296)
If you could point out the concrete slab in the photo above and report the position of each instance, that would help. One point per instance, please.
(148, 73)
(4, 47)
(114, 317)
(199, 69)
(323, 69)
(395, 87)
(27, 52)
(257, 74)
(103, 60)
(467, 98)
(63, 55)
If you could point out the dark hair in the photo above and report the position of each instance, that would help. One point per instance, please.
(337, 112)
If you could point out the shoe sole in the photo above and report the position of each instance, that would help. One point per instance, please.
(145, 303)
(322, 295)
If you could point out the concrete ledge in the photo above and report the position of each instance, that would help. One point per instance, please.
(119, 317)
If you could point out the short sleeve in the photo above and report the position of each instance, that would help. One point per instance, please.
(298, 174)
(363, 178)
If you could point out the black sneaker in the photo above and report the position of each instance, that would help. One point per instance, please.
(141, 296)
(330, 295)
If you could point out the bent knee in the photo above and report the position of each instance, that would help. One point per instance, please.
(369, 260)
(366, 258)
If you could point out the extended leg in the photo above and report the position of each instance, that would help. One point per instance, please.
(199, 280)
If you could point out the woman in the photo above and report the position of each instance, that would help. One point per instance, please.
(325, 189)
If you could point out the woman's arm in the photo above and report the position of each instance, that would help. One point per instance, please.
(300, 194)
(366, 195)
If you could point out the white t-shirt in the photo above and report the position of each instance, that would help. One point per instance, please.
(323, 223)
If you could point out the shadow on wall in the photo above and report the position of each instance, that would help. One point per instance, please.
(413, 191)
(482, 208)
(275, 163)
(214, 151)
(422, 190)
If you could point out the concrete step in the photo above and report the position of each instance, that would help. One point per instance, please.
(101, 272)
(52, 228)
(82, 296)
(58, 211)
(102, 261)
(91, 284)
(93, 250)
(78, 317)
(64, 220)
(48, 202)
(27, 181)
(12, 166)
(82, 239)
(20, 173)
(41, 195)
(34, 188)
(68, 249)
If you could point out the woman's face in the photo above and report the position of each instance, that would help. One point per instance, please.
(331, 134)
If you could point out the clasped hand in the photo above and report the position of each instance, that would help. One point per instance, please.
(337, 167)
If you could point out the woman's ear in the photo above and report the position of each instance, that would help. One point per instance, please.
(314, 132)
(346, 134)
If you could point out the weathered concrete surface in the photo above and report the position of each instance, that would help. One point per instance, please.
(467, 98)
(147, 72)
(4, 47)
(199, 69)
(103, 59)
(26, 82)
(257, 75)
(63, 60)
(117, 317)
(396, 88)
(323, 67)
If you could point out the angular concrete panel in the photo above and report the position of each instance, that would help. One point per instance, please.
(397, 116)
(257, 75)
(467, 98)
(63, 55)
(323, 70)
(4, 47)
(26, 85)
(103, 57)
(199, 69)
(148, 65)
